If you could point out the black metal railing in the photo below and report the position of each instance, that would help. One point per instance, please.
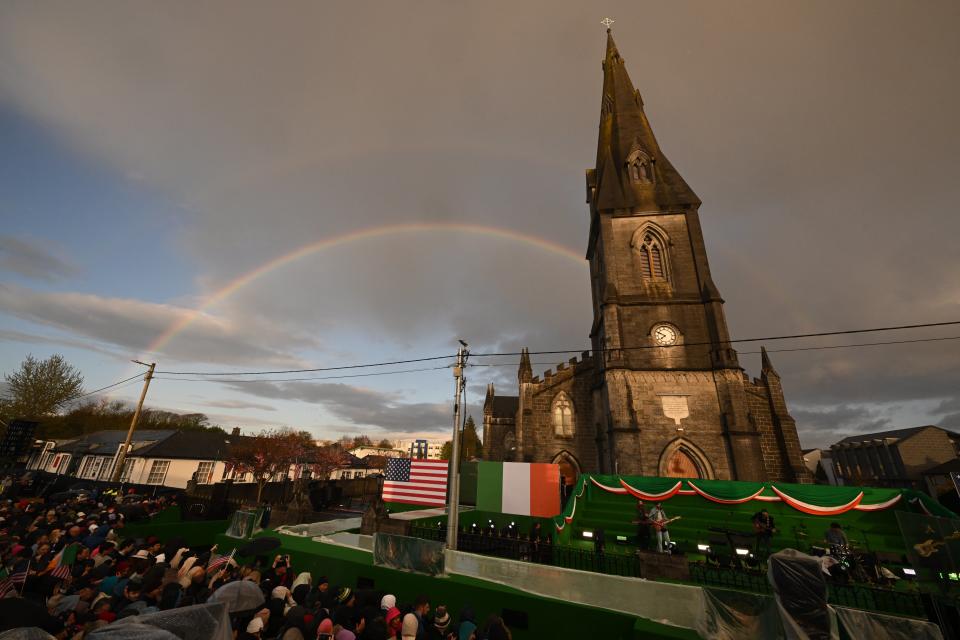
(614, 562)
(857, 596)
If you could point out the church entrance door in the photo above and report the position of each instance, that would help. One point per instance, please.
(569, 473)
(682, 466)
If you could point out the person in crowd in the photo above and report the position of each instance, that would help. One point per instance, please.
(101, 576)
(439, 624)
(421, 607)
(408, 630)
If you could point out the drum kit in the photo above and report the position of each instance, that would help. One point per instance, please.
(846, 562)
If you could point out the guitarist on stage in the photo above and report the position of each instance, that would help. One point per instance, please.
(659, 520)
(763, 527)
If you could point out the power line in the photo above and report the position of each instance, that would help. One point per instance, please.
(743, 353)
(354, 375)
(340, 368)
(718, 342)
(562, 351)
(109, 386)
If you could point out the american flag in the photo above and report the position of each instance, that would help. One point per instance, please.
(416, 481)
(10, 584)
(218, 562)
(62, 572)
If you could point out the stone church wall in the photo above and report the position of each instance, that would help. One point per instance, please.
(540, 441)
(641, 431)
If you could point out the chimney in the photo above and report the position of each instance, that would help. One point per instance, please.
(235, 432)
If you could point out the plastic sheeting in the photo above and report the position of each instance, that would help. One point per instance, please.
(408, 554)
(801, 594)
(314, 529)
(732, 615)
(241, 595)
(862, 625)
(26, 633)
(199, 622)
(673, 604)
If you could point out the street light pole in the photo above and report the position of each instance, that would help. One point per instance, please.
(453, 514)
(122, 457)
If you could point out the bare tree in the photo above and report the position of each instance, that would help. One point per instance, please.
(269, 455)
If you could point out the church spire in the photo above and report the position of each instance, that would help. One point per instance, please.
(766, 367)
(525, 373)
(631, 169)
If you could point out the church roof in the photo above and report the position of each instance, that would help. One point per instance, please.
(505, 406)
(625, 133)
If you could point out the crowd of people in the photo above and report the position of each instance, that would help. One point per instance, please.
(68, 568)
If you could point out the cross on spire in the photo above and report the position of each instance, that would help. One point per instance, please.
(607, 22)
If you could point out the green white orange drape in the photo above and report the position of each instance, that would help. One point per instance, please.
(818, 500)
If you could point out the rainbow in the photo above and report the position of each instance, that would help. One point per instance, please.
(347, 238)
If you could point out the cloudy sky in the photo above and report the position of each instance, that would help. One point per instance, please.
(154, 154)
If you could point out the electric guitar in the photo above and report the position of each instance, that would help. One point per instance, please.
(927, 548)
(759, 527)
(660, 525)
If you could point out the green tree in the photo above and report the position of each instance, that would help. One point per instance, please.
(470, 442)
(470, 446)
(40, 388)
(446, 451)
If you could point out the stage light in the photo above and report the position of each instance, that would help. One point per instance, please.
(588, 534)
(703, 547)
(743, 552)
(907, 571)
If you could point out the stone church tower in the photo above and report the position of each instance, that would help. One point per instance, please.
(662, 392)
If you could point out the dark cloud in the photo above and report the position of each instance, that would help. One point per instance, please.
(822, 426)
(33, 260)
(826, 172)
(238, 404)
(134, 324)
(357, 405)
(949, 412)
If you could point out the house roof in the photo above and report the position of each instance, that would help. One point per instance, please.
(190, 445)
(894, 434)
(943, 469)
(106, 442)
(505, 406)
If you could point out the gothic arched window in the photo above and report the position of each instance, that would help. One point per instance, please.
(652, 262)
(639, 167)
(562, 415)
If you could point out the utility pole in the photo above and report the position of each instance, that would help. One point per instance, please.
(453, 515)
(122, 457)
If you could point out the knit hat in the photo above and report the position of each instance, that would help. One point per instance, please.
(392, 613)
(388, 601)
(410, 625)
(343, 595)
(441, 619)
(326, 626)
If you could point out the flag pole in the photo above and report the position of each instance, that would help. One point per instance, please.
(26, 573)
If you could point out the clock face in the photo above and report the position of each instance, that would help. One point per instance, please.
(665, 334)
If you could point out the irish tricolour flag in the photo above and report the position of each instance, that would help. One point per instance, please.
(521, 488)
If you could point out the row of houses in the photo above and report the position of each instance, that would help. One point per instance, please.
(917, 457)
(172, 458)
